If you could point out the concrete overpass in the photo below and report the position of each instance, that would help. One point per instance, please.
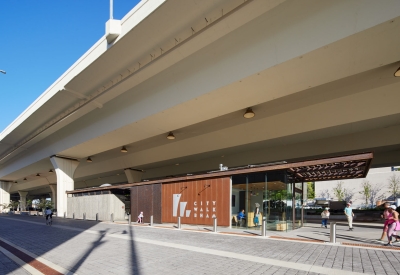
(319, 76)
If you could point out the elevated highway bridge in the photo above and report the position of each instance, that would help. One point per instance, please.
(318, 75)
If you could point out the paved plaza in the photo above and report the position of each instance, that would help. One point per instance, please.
(88, 247)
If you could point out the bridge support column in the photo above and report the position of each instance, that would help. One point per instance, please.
(65, 169)
(4, 194)
(22, 200)
(53, 194)
(133, 175)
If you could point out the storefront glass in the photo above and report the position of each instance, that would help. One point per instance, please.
(264, 196)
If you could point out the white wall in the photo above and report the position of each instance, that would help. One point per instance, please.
(104, 205)
(377, 177)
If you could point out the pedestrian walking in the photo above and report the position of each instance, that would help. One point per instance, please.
(393, 224)
(140, 218)
(325, 216)
(385, 215)
(348, 211)
(256, 215)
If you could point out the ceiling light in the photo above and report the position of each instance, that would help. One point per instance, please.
(397, 73)
(24, 178)
(170, 136)
(123, 149)
(177, 164)
(249, 113)
(15, 181)
(51, 171)
(37, 175)
(89, 159)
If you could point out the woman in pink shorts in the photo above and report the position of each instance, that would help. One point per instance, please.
(393, 224)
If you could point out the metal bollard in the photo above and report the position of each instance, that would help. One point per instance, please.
(112, 217)
(263, 228)
(129, 219)
(84, 216)
(179, 222)
(215, 225)
(151, 220)
(97, 217)
(73, 216)
(65, 215)
(333, 232)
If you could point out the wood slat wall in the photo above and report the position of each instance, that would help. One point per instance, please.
(212, 196)
(146, 198)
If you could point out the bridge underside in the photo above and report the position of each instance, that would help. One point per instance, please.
(319, 80)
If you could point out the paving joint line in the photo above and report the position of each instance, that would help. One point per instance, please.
(233, 234)
(20, 262)
(39, 267)
(226, 254)
(40, 259)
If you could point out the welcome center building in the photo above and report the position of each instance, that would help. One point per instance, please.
(279, 92)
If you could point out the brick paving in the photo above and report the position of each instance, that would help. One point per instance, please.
(87, 247)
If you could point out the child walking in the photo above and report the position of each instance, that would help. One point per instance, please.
(325, 216)
(140, 218)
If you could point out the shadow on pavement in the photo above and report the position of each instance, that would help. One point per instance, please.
(134, 264)
(346, 237)
(85, 255)
(32, 234)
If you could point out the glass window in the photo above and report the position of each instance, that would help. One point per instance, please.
(266, 196)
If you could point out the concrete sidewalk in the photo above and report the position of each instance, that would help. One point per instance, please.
(88, 247)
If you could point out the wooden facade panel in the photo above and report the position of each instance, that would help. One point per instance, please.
(197, 201)
(146, 198)
(157, 203)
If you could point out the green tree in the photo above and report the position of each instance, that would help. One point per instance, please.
(366, 191)
(339, 191)
(342, 193)
(310, 190)
(28, 204)
(11, 205)
(43, 204)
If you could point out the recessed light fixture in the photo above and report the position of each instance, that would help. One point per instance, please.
(249, 113)
(397, 73)
(15, 181)
(89, 159)
(24, 178)
(37, 175)
(177, 164)
(51, 171)
(123, 149)
(170, 136)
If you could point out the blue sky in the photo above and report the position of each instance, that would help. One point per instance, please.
(40, 40)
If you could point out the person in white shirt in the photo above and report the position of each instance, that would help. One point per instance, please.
(325, 216)
(140, 218)
(48, 213)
